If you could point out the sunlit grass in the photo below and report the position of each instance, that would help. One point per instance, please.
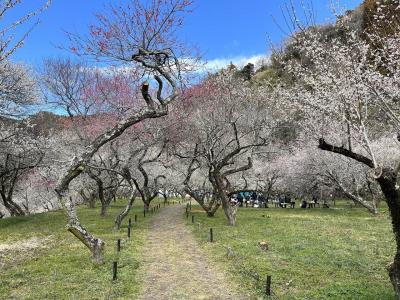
(63, 268)
(337, 253)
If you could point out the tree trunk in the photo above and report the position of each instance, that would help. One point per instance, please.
(89, 200)
(13, 208)
(210, 214)
(103, 201)
(387, 182)
(230, 213)
(165, 197)
(146, 206)
(221, 196)
(103, 211)
(78, 165)
(92, 202)
(123, 214)
(96, 246)
(211, 208)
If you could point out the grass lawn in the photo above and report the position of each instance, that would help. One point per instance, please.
(336, 253)
(62, 269)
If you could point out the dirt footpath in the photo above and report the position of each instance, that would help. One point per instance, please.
(174, 267)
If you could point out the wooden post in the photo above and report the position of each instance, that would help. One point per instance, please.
(135, 218)
(211, 235)
(130, 222)
(268, 286)
(118, 245)
(115, 268)
(129, 232)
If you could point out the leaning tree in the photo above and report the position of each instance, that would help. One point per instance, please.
(142, 35)
(347, 91)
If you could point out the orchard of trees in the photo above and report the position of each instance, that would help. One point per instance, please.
(322, 115)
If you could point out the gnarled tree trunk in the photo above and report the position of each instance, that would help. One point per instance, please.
(89, 200)
(146, 205)
(209, 207)
(230, 213)
(213, 207)
(387, 179)
(95, 245)
(13, 208)
(78, 165)
(388, 183)
(123, 214)
(219, 187)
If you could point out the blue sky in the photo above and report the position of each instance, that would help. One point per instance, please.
(224, 30)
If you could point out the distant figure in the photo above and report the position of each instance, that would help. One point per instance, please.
(315, 200)
(261, 198)
(240, 199)
(276, 202)
(292, 202)
(282, 200)
(303, 204)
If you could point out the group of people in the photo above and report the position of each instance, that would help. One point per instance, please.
(284, 201)
(249, 199)
(258, 200)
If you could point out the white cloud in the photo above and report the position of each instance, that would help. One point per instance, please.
(238, 61)
(201, 67)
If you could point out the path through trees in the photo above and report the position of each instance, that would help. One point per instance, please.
(174, 266)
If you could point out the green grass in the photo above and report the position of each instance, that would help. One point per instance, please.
(337, 253)
(63, 269)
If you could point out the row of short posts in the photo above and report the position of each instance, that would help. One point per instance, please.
(211, 232)
(115, 263)
(268, 281)
(188, 209)
(152, 210)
